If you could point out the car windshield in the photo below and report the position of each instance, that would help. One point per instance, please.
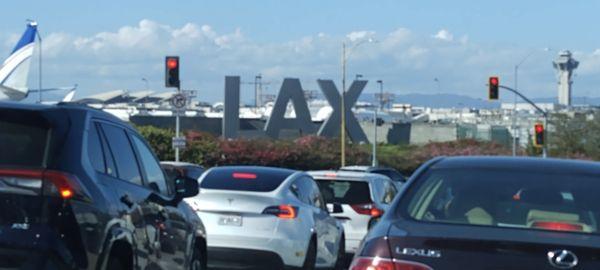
(500, 198)
(345, 192)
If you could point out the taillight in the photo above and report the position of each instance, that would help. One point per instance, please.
(247, 176)
(557, 226)
(367, 209)
(376, 263)
(43, 182)
(282, 211)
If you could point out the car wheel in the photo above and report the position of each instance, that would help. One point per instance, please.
(114, 263)
(197, 261)
(311, 256)
(341, 256)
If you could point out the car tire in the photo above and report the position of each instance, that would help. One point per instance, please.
(311, 256)
(341, 256)
(114, 263)
(197, 262)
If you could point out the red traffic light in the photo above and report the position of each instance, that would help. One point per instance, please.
(494, 81)
(538, 138)
(172, 63)
(494, 85)
(539, 128)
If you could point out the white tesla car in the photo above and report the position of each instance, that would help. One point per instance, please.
(268, 218)
(358, 200)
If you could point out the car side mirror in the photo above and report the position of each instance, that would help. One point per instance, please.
(186, 187)
(337, 209)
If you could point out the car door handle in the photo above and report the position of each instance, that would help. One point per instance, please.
(125, 199)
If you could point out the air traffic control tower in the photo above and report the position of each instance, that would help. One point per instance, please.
(565, 65)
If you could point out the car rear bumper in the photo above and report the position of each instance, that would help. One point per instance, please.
(33, 247)
(236, 258)
(291, 252)
(30, 260)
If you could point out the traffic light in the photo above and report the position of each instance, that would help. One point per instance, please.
(538, 138)
(172, 71)
(494, 84)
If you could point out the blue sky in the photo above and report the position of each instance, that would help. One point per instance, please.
(113, 44)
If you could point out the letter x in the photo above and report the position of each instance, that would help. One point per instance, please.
(331, 126)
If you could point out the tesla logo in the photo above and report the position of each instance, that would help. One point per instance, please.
(230, 201)
(419, 252)
(562, 259)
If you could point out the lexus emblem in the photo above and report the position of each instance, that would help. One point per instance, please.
(562, 259)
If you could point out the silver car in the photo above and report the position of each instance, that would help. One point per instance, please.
(269, 218)
(357, 199)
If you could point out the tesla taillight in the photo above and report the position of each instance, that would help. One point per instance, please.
(557, 226)
(376, 263)
(369, 209)
(282, 211)
(43, 182)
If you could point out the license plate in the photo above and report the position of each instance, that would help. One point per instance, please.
(230, 220)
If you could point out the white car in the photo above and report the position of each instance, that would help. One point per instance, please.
(268, 218)
(357, 199)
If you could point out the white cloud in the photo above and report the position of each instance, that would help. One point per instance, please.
(444, 35)
(360, 35)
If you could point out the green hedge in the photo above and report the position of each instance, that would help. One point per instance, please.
(305, 153)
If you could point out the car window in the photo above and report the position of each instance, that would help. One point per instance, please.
(516, 199)
(122, 152)
(302, 189)
(389, 192)
(244, 179)
(154, 174)
(315, 195)
(23, 141)
(95, 154)
(345, 192)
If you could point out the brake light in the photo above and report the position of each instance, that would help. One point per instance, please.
(34, 181)
(282, 211)
(244, 175)
(557, 226)
(376, 263)
(367, 209)
(333, 175)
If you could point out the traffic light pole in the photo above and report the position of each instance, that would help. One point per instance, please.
(177, 112)
(543, 112)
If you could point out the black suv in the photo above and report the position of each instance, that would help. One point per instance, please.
(80, 189)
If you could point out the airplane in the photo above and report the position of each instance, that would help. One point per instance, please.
(15, 69)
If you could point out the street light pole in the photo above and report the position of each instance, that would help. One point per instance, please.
(343, 105)
(516, 129)
(343, 102)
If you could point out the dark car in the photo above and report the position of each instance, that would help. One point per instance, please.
(80, 189)
(176, 169)
(490, 213)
